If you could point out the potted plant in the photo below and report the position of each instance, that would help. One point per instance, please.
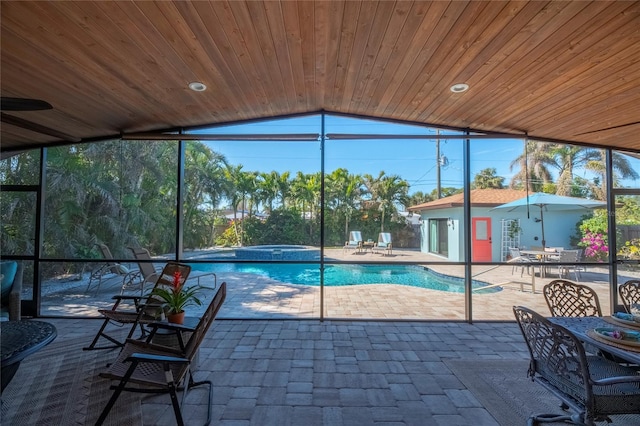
(177, 297)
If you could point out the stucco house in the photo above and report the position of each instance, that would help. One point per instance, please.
(494, 231)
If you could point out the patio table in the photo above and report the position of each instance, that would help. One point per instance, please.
(20, 339)
(580, 326)
(368, 245)
(543, 256)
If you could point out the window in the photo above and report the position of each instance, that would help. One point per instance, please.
(438, 237)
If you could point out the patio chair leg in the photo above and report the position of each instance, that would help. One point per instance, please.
(116, 393)
(116, 343)
(171, 385)
(193, 384)
(100, 334)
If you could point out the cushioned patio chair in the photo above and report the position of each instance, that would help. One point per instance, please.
(384, 243)
(11, 272)
(630, 294)
(108, 271)
(153, 368)
(142, 309)
(591, 387)
(354, 243)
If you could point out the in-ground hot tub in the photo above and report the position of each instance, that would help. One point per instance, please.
(278, 252)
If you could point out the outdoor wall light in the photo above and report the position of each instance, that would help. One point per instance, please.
(450, 223)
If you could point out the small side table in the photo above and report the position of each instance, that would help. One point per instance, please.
(168, 337)
(18, 340)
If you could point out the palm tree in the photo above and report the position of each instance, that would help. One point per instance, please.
(284, 188)
(487, 178)
(306, 190)
(418, 197)
(343, 194)
(240, 185)
(534, 167)
(622, 169)
(204, 183)
(387, 191)
(268, 188)
(566, 158)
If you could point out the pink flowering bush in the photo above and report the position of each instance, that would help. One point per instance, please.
(596, 246)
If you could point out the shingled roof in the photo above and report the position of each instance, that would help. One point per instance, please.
(479, 198)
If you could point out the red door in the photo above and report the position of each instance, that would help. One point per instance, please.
(481, 239)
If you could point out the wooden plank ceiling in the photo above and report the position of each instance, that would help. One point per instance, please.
(560, 70)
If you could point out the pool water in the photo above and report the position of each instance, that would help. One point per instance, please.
(347, 275)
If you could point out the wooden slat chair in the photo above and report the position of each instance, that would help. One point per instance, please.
(592, 387)
(154, 368)
(630, 294)
(144, 310)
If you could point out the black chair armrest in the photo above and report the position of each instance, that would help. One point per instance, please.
(616, 380)
(126, 297)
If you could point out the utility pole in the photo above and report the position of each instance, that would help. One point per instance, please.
(438, 189)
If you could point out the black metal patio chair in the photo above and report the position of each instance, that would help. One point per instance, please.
(591, 387)
(568, 299)
(630, 294)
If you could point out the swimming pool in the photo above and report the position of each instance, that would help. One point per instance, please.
(348, 275)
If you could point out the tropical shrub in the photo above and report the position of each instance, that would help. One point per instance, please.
(596, 246)
(630, 250)
(229, 237)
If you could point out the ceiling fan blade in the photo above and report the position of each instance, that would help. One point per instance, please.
(23, 104)
(38, 128)
(609, 128)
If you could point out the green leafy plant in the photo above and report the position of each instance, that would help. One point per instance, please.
(514, 229)
(177, 297)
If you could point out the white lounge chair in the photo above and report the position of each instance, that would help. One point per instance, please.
(384, 243)
(354, 243)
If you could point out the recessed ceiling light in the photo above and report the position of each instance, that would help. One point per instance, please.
(459, 87)
(196, 86)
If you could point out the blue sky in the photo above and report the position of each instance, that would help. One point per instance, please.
(413, 160)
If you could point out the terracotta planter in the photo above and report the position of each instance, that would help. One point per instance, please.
(176, 318)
